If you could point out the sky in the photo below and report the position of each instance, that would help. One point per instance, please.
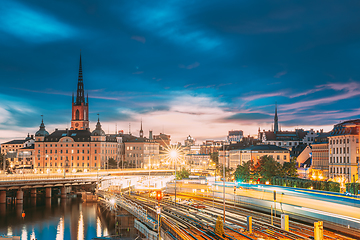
(198, 68)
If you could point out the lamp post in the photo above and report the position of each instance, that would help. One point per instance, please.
(173, 155)
(72, 151)
(224, 182)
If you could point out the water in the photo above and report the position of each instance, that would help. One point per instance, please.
(57, 219)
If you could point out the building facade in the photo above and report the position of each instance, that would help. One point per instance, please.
(344, 150)
(235, 136)
(236, 157)
(20, 154)
(77, 149)
(320, 156)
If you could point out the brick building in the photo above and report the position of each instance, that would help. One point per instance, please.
(77, 149)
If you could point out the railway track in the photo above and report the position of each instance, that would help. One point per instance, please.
(262, 221)
(197, 223)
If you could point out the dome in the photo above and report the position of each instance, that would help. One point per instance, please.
(28, 137)
(42, 131)
(98, 130)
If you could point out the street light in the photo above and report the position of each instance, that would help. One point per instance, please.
(173, 154)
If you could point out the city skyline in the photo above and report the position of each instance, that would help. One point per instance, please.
(161, 63)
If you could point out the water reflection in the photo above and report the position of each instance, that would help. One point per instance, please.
(80, 235)
(60, 230)
(48, 219)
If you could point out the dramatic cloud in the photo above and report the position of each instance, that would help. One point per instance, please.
(200, 68)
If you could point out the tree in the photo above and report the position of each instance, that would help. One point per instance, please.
(244, 172)
(182, 174)
(227, 171)
(112, 163)
(267, 168)
(289, 169)
(214, 157)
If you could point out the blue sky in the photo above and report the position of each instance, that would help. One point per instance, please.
(184, 67)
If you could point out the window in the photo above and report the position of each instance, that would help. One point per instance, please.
(337, 159)
(95, 160)
(284, 157)
(88, 164)
(55, 151)
(348, 159)
(348, 149)
(77, 157)
(66, 151)
(348, 140)
(337, 150)
(95, 151)
(340, 141)
(61, 164)
(340, 150)
(77, 113)
(55, 164)
(78, 164)
(340, 159)
(95, 164)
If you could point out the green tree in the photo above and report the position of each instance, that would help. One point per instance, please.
(214, 157)
(267, 168)
(227, 171)
(244, 172)
(112, 163)
(182, 174)
(289, 169)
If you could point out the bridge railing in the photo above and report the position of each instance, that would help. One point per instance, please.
(133, 208)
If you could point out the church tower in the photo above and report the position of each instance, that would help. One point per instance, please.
(276, 121)
(141, 130)
(80, 107)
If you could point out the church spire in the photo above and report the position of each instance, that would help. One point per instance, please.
(141, 130)
(276, 121)
(80, 98)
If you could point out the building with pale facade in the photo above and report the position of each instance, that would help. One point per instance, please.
(344, 150)
(320, 156)
(235, 157)
(141, 153)
(235, 136)
(197, 161)
(20, 154)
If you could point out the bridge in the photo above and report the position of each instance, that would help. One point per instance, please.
(33, 182)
